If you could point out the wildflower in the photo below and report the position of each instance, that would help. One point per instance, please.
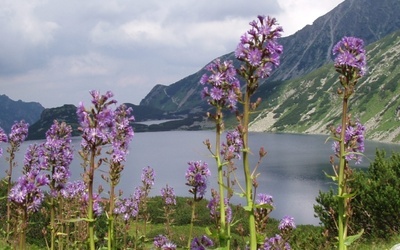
(233, 146)
(57, 154)
(19, 132)
(196, 176)
(258, 46)
(27, 192)
(127, 207)
(96, 123)
(148, 176)
(287, 223)
(353, 141)
(350, 56)
(3, 138)
(276, 243)
(213, 206)
(224, 86)
(168, 195)
(264, 199)
(202, 243)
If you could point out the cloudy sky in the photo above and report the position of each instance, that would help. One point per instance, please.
(55, 51)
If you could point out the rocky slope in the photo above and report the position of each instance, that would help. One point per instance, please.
(304, 51)
(309, 104)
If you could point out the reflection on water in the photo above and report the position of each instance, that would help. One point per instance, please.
(292, 172)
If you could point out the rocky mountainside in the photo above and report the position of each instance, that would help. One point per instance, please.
(67, 113)
(309, 104)
(304, 51)
(12, 111)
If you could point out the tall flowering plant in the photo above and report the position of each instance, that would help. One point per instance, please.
(121, 136)
(350, 63)
(57, 154)
(18, 134)
(259, 52)
(96, 125)
(222, 90)
(197, 178)
(27, 194)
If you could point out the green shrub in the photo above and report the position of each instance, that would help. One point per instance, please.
(376, 206)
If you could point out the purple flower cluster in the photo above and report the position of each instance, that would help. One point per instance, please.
(224, 89)
(78, 190)
(19, 132)
(350, 56)
(27, 192)
(127, 207)
(233, 146)
(264, 199)
(122, 133)
(147, 177)
(168, 195)
(196, 177)
(353, 141)
(96, 123)
(259, 48)
(57, 155)
(287, 223)
(162, 242)
(3, 138)
(276, 243)
(201, 243)
(213, 206)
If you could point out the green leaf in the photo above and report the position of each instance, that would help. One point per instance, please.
(350, 239)
(334, 178)
(265, 206)
(248, 208)
(80, 219)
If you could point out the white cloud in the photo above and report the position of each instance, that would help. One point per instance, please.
(55, 51)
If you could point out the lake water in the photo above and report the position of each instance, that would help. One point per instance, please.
(292, 171)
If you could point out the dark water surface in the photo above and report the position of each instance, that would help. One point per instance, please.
(292, 171)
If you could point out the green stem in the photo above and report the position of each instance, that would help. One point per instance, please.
(224, 240)
(247, 174)
(9, 175)
(111, 244)
(22, 235)
(90, 195)
(342, 221)
(191, 223)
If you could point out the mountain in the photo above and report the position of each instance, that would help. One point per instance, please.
(304, 51)
(12, 111)
(309, 104)
(67, 113)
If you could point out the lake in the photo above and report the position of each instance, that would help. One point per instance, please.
(292, 171)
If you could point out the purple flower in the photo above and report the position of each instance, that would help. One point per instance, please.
(264, 199)
(148, 176)
(19, 132)
(350, 56)
(168, 195)
(196, 177)
(233, 146)
(3, 138)
(26, 192)
(127, 207)
(122, 133)
(202, 243)
(213, 206)
(96, 124)
(259, 48)
(353, 141)
(287, 223)
(57, 154)
(224, 86)
(276, 243)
